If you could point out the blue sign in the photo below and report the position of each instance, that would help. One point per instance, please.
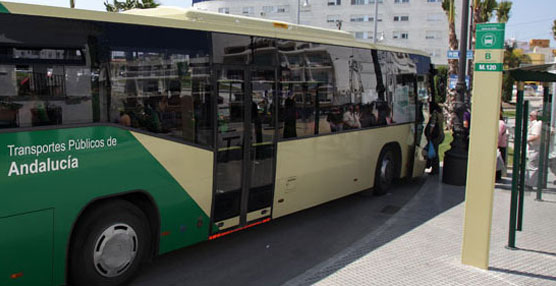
(454, 55)
(453, 81)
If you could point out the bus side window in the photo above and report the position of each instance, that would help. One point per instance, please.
(156, 92)
(45, 87)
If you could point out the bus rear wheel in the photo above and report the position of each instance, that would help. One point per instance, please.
(385, 172)
(109, 245)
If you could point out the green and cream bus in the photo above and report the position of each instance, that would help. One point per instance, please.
(124, 136)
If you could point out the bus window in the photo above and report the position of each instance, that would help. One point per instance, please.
(43, 87)
(157, 92)
(301, 82)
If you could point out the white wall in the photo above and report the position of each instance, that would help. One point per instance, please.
(425, 19)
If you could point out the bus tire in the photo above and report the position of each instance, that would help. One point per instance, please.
(385, 172)
(109, 245)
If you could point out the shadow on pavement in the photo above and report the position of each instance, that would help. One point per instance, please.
(537, 251)
(433, 199)
(275, 252)
(521, 273)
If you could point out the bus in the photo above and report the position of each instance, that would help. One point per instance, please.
(129, 135)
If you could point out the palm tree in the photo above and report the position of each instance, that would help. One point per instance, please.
(450, 9)
(513, 58)
(554, 29)
(130, 4)
(503, 11)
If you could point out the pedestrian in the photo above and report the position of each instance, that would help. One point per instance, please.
(434, 131)
(467, 125)
(533, 147)
(502, 143)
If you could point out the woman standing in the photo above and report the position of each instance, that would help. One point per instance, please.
(502, 143)
(435, 135)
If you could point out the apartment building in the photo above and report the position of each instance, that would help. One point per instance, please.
(417, 24)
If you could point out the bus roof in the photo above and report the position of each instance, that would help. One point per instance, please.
(181, 18)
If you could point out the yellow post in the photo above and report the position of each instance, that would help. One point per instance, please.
(487, 83)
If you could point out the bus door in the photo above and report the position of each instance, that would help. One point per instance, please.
(246, 146)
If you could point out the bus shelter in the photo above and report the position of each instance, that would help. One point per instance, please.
(534, 156)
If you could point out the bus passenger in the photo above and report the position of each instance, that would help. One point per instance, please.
(334, 118)
(289, 119)
(434, 131)
(351, 119)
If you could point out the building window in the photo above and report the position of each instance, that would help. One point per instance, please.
(283, 9)
(434, 1)
(224, 10)
(248, 10)
(399, 18)
(364, 2)
(269, 9)
(401, 1)
(334, 2)
(333, 18)
(361, 18)
(397, 35)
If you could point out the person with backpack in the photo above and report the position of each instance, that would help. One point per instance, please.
(434, 131)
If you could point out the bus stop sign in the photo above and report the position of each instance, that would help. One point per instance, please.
(490, 43)
(479, 192)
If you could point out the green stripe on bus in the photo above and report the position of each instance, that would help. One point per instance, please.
(3, 9)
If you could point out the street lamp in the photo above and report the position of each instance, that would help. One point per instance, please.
(455, 160)
(305, 4)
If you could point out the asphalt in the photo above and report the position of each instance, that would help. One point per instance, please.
(275, 252)
(421, 244)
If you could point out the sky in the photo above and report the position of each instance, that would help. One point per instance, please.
(529, 19)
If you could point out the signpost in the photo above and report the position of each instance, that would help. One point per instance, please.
(454, 55)
(487, 83)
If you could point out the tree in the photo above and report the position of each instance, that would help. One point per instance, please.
(513, 58)
(554, 29)
(503, 11)
(449, 8)
(118, 6)
(484, 10)
(440, 80)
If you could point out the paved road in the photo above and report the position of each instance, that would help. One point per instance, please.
(278, 251)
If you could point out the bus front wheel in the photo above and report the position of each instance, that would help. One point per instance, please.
(109, 244)
(385, 172)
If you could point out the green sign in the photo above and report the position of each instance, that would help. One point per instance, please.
(490, 36)
(489, 67)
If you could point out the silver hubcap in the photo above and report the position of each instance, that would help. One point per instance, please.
(386, 170)
(115, 250)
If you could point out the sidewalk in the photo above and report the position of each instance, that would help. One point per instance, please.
(421, 245)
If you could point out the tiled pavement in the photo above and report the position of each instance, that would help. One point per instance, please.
(421, 245)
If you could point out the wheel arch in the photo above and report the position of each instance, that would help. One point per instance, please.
(140, 198)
